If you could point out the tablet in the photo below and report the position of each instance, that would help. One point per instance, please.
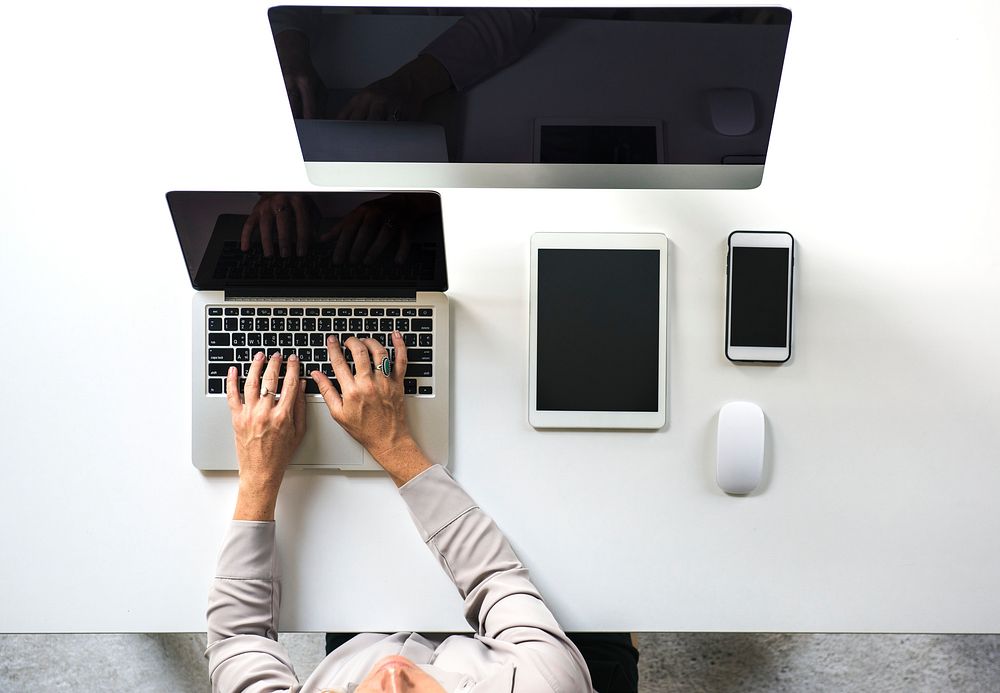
(598, 325)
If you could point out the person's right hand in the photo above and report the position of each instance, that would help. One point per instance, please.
(370, 406)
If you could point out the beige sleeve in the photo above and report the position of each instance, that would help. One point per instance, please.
(500, 600)
(243, 652)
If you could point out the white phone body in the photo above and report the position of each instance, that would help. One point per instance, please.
(610, 344)
(759, 281)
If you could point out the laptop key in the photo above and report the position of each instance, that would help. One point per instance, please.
(293, 324)
(421, 325)
(355, 324)
(311, 387)
(280, 311)
(285, 339)
(316, 339)
(260, 324)
(409, 386)
(371, 324)
(425, 390)
(329, 311)
(385, 325)
(231, 323)
(239, 339)
(403, 324)
(312, 311)
(243, 354)
(305, 354)
(246, 311)
(377, 312)
(410, 339)
(301, 339)
(270, 339)
(215, 386)
(392, 312)
(232, 311)
(343, 311)
(361, 311)
(215, 311)
(254, 339)
(426, 340)
(221, 355)
(215, 324)
(219, 370)
(418, 370)
(263, 311)
(418, 355)
(285, 353)
(310, 367)
(340, 325)
(320, 354)
(246, 324)
(425, 312)
(308, 324)
(295, 311)
(218, 339)
(277, 324)
(409, 312)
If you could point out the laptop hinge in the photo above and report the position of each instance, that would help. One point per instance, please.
(264, 294)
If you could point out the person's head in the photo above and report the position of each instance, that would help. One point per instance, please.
(397, 674)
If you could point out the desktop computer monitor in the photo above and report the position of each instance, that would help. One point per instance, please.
(521, 97)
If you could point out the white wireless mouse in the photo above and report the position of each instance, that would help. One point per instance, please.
(740, 447)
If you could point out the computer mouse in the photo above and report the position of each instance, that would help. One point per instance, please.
(740, 447)
(732, 111)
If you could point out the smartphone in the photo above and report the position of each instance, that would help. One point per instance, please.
(759, 267)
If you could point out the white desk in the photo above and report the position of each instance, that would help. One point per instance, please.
(878, 512)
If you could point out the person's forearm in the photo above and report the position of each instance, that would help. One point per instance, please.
(256, 500)
(403, 461)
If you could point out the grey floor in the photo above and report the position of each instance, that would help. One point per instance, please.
(677, 662)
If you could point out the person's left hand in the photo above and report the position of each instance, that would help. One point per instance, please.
(293, 215)
(267, 431)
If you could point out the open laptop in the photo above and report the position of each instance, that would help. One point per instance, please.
(250, 300)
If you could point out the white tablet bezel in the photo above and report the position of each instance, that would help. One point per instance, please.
(760, 239)
(598, 419)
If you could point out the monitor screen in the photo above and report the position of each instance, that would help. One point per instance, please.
(311, 244)
(560, 97)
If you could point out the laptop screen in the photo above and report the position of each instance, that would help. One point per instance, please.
(555, 87)
(351, 244)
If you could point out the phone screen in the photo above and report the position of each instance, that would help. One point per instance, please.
(758, 308)
(598, 330)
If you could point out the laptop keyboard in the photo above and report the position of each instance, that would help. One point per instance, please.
(235, 334)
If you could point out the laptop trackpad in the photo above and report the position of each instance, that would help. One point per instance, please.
(326, 444)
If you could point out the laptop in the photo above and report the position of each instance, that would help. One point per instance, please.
(251, 298)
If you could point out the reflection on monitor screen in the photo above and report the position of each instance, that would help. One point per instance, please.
(560, 97)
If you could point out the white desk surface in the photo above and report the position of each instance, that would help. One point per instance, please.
(879, 509)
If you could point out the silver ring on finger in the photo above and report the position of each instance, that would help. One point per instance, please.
(265, 390)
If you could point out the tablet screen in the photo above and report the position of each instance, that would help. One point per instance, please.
(598, 330)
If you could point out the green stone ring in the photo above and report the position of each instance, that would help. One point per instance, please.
(385, 367)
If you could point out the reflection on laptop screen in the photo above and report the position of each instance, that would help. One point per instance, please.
(560, 88)
(316, 244)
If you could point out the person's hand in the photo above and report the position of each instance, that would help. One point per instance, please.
(369, 405)
(397, 674)
(267, 431)
(401, 95)
(365, 233)
(294, 216)
(306, 91)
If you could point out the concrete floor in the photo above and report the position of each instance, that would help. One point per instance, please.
(680, 663)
